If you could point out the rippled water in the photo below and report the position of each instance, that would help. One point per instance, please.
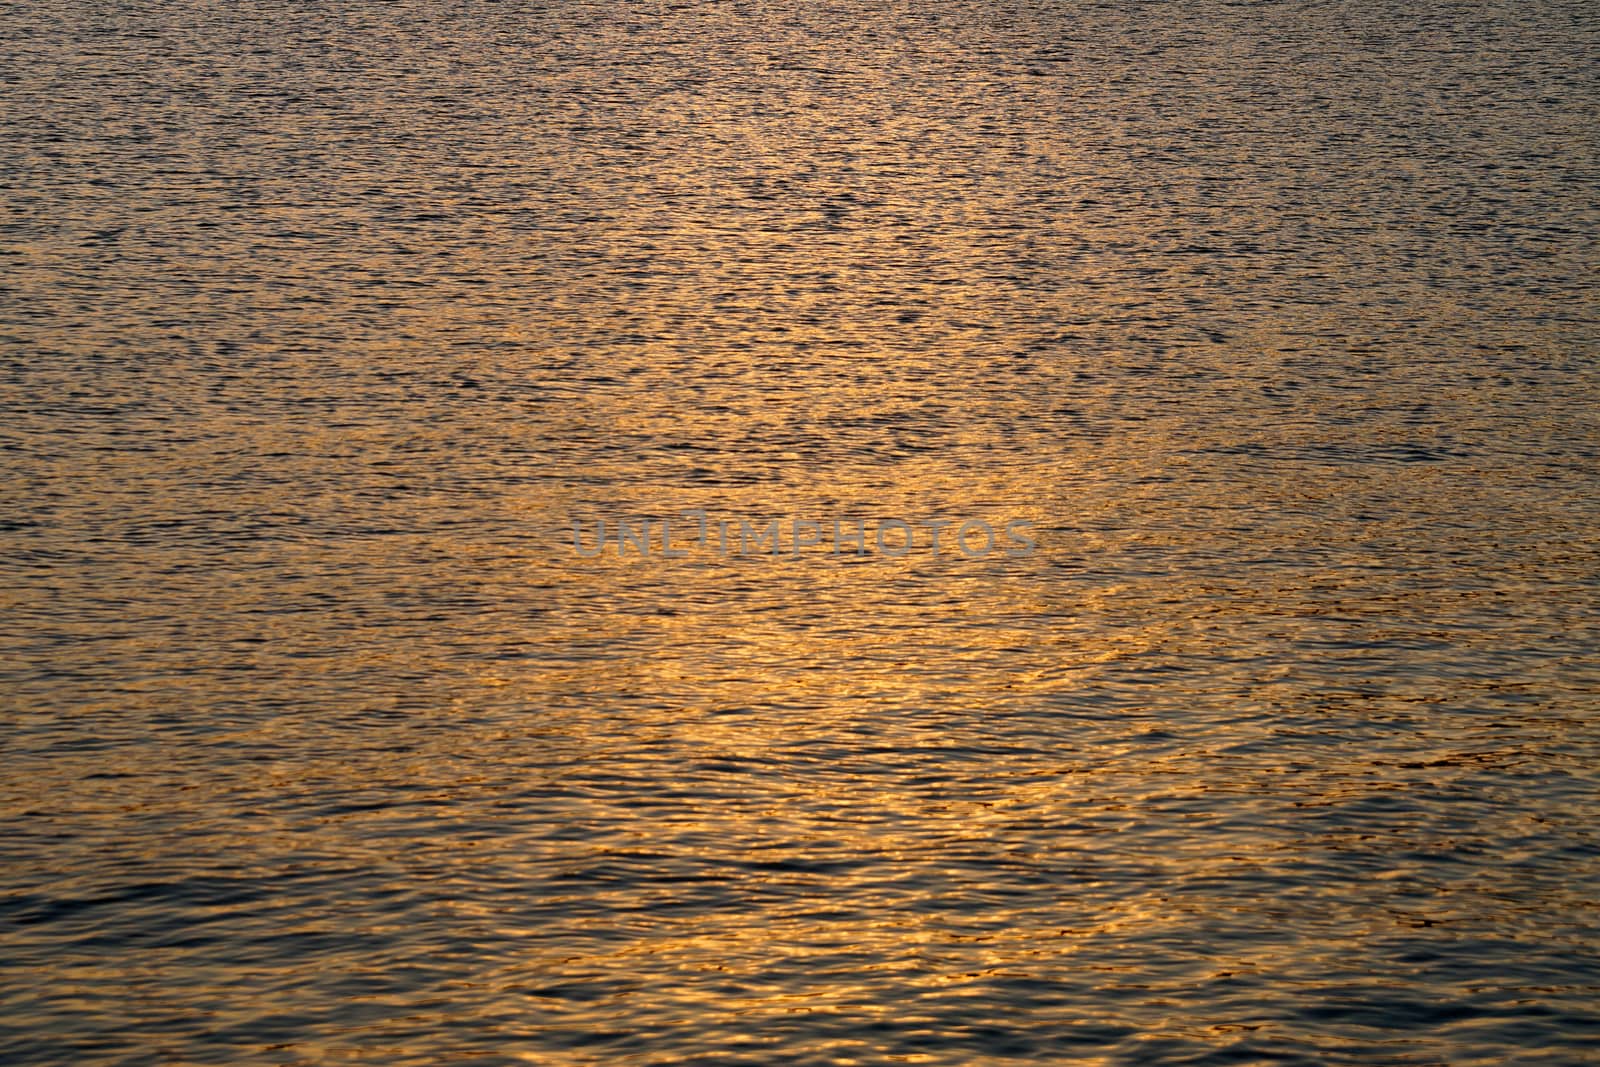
(323, 322)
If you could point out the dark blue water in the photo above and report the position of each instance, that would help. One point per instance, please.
(1274, 323)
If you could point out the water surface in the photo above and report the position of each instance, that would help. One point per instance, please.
(321, 323)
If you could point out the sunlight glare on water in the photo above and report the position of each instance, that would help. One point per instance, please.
(322, 325)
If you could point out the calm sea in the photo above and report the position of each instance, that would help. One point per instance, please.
(1274, 325)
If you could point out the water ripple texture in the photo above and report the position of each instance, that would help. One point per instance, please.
(1274, 322)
